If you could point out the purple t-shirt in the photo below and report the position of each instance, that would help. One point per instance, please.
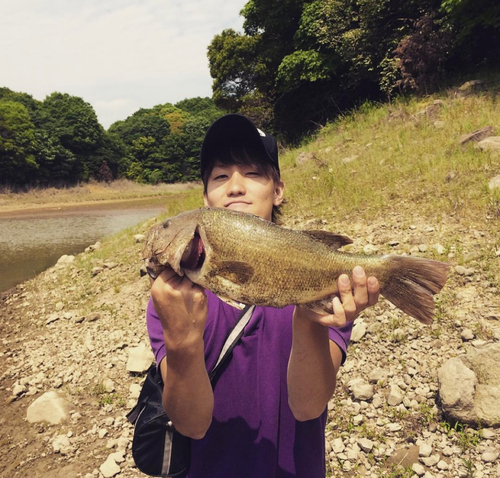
(253, 433)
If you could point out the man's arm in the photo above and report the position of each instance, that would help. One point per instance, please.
(314, 359)
(187, 394)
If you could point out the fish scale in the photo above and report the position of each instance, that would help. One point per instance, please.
(249, 260)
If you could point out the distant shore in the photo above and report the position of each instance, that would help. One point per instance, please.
(118, 194)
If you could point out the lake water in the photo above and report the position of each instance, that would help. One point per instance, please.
(33, 242)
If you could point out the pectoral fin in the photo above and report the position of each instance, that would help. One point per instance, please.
(332, 240)
(237, 272)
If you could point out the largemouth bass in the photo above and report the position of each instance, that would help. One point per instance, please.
(247, 259)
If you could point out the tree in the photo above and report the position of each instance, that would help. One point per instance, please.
(18, 145)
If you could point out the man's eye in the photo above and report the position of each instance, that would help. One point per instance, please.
(220, 176)
(253, 173)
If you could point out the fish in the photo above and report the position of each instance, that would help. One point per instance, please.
(245, 259)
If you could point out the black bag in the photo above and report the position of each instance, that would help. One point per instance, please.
(158, 448)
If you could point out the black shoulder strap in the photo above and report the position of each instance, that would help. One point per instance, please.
(232, 338)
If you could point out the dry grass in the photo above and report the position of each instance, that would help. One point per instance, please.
(89, 193)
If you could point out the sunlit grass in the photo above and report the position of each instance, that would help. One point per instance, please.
(386, 157)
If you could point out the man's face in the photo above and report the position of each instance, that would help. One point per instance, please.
(243, 188)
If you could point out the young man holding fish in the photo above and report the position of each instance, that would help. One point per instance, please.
(266, 413)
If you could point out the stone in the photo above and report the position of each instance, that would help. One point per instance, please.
(61, 444)
(457, 384)
(65, 259)
(432, 460)
(418, 469)
(467, 335)
(358, 331)
(477, 135)
(494, 184)
(108, 385)
(395, 396)
(487, 404)
(378, 375)
(365, 444)
(338, 445)
(139, 359)
(49, 407)
(361, 389)
(489, 456)
(139, 238)
(109, 468)
(489, 144)
(424, 450)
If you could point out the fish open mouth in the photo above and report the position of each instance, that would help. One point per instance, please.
(194, 254)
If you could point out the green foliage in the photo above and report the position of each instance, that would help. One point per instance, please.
(300, 63)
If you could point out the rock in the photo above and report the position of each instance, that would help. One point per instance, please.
(109, 468)
(489, 144)
(93, 247)
(418, 469)
(61, 444)
(394, 427)
(494, 184)
(467, 335)
(370, 249)
(139, 359)
(456, 390)
(361, 389)
(477, 135)
(395, 396)
(51, 408)
(19, 390)
(424, 450)
(350, 159)
(338, 445)
(138, 238)
(65, 259)
(472, 86)
(365, 444)
(487, 404)
(96, 270)
(305, 157)
(430, 460)
(439, 249)
(108, 385)
(59, 306)
(378, 375)
(489, 456)
(358, 331)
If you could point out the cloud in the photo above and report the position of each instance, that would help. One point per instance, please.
(117, 55)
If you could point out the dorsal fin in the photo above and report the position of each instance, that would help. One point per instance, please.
(329, 238)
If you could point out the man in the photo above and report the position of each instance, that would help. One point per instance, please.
(266, 413)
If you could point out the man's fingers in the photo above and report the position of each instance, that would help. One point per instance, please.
(346, 297)
(360, 290)
(373, 288)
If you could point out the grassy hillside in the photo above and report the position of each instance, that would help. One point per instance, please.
(403, 156)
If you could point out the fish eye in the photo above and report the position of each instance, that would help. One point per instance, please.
(166, 224)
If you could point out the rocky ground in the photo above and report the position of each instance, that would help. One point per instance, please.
(72, 329)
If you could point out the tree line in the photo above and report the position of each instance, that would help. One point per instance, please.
(59, 141)
(299, 63)
(296, 65)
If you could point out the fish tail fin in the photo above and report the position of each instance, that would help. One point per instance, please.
(412, 282)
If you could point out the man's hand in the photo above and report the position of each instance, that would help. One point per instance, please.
(181, 306)
(352, 299)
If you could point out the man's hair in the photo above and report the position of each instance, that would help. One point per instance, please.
(240, 156)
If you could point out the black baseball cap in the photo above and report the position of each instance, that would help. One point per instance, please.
(237, 130)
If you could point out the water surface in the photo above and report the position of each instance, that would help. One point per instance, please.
(30, 242)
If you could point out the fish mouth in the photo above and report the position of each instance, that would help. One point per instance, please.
(194, 254)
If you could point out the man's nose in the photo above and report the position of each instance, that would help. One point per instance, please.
(236, 184)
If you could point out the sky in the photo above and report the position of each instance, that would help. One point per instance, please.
(118, 55)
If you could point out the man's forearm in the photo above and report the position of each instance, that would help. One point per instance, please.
(187, 395)
(311, 370)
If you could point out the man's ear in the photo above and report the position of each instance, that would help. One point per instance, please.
(279, 190)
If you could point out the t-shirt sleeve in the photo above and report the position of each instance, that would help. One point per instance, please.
(155, 333)
(341, 336)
